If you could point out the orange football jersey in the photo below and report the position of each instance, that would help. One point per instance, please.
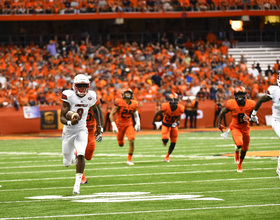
(238, 113)
(170, 116)
(91, 122)
(124, 114)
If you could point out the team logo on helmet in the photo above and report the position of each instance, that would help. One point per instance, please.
(127, 94)
(81, 85)
(240, 95)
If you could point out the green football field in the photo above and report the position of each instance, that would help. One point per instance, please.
(198, 183)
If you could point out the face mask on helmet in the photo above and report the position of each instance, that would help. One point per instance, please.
(173, 99)
(240, 98)
(81, 89)
(81, 85)
(173, 102)
(127, 94)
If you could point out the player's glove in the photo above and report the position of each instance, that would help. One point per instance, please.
(115, 128)
(221, 127)
(255, 119)
(137, 127)
(175, 124)
(225, 134)
(158, 124)
(98, 137)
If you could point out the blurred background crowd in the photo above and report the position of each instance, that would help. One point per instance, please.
(103, 6)
(36, 75)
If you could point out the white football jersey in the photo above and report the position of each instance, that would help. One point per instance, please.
(274, 93)
(80, 105)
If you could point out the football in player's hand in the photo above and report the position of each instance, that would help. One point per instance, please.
(70, 115)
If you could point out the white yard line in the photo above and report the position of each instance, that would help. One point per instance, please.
(121, 168)
(138, 174)
(93, 186)
(143, 212)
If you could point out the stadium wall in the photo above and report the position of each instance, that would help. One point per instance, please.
(13, 122)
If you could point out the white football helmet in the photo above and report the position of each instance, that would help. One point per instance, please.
(278, 80)
(81, 85)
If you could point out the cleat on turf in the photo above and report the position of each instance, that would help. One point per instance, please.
(129, 163)
(76, 189)
(239, 168)
(166, 159)
(236, 157)
(84, 181)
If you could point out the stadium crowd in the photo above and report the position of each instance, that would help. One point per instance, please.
(34, 75)
(103, 6)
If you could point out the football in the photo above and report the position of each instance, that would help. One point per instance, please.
(72, 115)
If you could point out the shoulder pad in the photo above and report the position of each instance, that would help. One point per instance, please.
(66, 94)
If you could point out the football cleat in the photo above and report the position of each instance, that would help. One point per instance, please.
(84, 180)
(129, 163)
(236, 157)
(166, 159)
(239, 168)
(76, 189)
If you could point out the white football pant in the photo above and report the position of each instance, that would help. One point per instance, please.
(70, 140)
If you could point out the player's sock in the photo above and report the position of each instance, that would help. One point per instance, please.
(78, 178)
(171, 147)
(129, 157)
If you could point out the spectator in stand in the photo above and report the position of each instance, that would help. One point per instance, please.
(41, 99)
(276, 67)
(103, 6)
(188, 112)
(23, 99)
(51, 48)
(180, 41)
(211, 38)
(254, 72)
(268, 71)
(259, 68)
(127, 6)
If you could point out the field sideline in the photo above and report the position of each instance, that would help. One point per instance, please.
(200, 182)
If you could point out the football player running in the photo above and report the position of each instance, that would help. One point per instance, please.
(124, 108)
(171, 112)
(272, 93)
(75, 133)
(240, 109)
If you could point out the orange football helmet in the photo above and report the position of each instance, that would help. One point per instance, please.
(240, 95)
(127, 93)
(173, 99)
